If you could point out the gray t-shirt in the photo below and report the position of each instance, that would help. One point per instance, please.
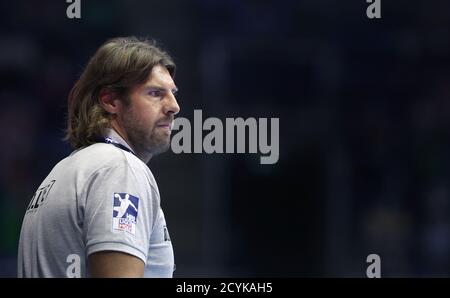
(98, 198)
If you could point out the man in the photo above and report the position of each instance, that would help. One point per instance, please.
(98, 214)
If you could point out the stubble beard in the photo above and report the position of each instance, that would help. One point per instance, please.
(144, 140)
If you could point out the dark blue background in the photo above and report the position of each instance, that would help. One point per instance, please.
(364, 128)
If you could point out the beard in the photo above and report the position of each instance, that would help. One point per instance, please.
(145, 139)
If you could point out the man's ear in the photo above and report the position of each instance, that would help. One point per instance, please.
(109, 101)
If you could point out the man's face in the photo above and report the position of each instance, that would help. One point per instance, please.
(148, 119)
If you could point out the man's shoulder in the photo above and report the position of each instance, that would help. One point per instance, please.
(101, 155)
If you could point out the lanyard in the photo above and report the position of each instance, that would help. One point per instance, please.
(118, 145)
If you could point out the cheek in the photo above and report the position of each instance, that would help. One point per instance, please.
(147, 117)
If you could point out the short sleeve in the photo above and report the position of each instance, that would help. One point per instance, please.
(118, 213)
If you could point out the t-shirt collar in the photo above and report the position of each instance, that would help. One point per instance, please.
(115, 137)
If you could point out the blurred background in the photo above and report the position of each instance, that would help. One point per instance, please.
(364, 110)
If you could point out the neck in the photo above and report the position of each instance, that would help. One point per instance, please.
(141, 154)
(144, 156)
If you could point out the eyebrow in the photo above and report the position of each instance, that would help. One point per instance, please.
(158, 88)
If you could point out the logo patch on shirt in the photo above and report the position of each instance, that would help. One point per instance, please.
(125, 212)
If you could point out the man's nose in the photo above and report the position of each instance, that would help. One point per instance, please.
(171, 106)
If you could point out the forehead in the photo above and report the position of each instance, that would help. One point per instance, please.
(160, 77)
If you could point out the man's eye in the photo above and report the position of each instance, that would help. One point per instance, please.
(155, 93)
